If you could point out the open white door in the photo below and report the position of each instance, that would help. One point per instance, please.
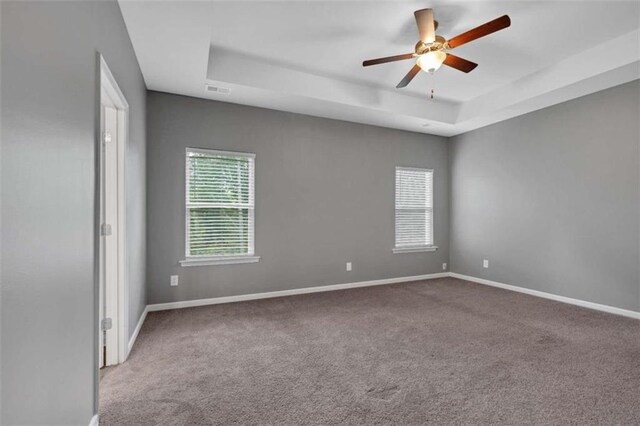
(110, 235)
(101, 301)
(113, 301)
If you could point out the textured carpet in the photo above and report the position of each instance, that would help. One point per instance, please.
(442, 351)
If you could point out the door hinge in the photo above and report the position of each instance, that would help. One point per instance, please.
(106, 137)
(106, 324)
(105, 229)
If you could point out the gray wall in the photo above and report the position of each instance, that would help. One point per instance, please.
(49, 129)
(324, 196)
(552, 199)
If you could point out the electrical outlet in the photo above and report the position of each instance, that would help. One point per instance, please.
(174, 280)
(444, 266)
(485, 263)
(348, 266)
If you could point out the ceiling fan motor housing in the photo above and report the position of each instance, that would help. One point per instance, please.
(439, 44)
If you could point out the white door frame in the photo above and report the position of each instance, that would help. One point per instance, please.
(109, 88)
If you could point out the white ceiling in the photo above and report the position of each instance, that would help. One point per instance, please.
(306, 56)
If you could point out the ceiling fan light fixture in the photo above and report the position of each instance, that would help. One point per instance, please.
(431, 61)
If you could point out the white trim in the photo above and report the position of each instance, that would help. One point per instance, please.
(334, 287)
(550, 296)
(134, 336)
(222, 260)
(223, 153)
(427, 209)
(414, 169)
(292, 292)
(109, 86)
(94, 421)
(418, 249)
(123, 289)
(250, 207)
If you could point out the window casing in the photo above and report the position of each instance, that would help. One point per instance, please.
(414, 210)
(220, 207)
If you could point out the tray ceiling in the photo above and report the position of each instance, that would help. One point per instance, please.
(306, 57)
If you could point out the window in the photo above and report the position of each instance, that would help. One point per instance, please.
(414, 210)
(219, 207)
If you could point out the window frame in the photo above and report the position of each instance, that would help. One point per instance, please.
(414, 248)
(204, 260)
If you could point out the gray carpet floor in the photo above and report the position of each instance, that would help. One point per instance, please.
(441, 352)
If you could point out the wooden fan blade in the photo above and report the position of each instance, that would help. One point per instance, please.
(426, 27)
(481, 31)
(407, 78)
(387, 59)
(459, 63)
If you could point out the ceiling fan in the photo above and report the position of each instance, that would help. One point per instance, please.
(431, 51)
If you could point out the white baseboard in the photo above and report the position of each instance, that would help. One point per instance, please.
(292, 292)
(137, 330)
(334, 287)
(94, 421)
(569, 300)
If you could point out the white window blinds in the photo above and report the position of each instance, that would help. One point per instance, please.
(414, 207)
(220, 203)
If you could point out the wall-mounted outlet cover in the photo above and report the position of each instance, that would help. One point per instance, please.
(349, 267)
(174, 280)
(444, 266)
(485, 263)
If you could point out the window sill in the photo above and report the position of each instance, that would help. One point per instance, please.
(223, 260)
(419, 249)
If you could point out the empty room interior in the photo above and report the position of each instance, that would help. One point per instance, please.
(319, 212)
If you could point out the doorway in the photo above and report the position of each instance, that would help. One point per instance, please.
(112, 299)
